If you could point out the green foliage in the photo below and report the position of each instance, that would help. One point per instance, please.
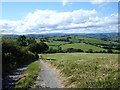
(86, 70)
(14, 55)
(38, 47)
(25, 41)
(22, 40)
(30, 40)
(96, 43)
(73, 50)
(8, 46)
(109, 50)
(15, 52)
(90, 51)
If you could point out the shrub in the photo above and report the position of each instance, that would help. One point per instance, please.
(90, 51)
(37, 47)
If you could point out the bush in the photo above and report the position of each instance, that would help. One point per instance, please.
(73, 50)
(90, 51)
(14, 55)
(109, 51)
(37, 47)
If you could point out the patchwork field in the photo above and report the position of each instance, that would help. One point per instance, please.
(85, 43)
(84, 70)
(82, 46)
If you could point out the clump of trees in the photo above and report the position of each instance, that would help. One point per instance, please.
(16, 52)
(60, 50)
(38, 47)
(90, 51)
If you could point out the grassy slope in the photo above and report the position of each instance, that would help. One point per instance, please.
(86, 39)
(29, 76)
(93, 40)
(82, 46)
(82, 70)
(58, 37)
(54, 43)
(37, 40)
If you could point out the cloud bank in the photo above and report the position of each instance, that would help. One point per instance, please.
(49, 21)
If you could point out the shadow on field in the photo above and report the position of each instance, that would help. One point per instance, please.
(51, 59)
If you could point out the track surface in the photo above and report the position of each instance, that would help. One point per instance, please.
(47, 78)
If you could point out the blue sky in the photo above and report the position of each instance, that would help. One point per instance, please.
(21, 15)
(17, 10)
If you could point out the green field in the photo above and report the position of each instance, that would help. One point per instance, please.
(82, 46)
(93, 40)
(90, 40)
(58, 37)
(85, 43)
(83, 39)
(85, 70)
(55, 43)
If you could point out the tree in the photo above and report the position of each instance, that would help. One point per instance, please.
(14, 55)
(22, 40)
(79, 50)
(70, 49)
(38, 47)
(109, 50)
(59, 49)
(90, 51)
(30, 40)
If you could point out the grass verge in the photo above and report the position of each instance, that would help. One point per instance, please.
(29, 76)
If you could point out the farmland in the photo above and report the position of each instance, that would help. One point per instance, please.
(85, 70)
(82, 46)
(64, 44)
(84, 61)
(82, 43)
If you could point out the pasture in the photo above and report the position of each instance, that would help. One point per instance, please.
(85, 43)
(86, 70)
(82, 46)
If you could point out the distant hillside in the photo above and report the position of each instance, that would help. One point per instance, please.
(95, 35)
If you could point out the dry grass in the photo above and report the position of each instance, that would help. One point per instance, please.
(83, 70)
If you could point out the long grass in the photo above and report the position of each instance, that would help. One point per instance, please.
(28, 78)
(82, 70)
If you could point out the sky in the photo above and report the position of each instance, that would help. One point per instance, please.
(59, 17)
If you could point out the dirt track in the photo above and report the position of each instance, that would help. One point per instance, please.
(47, 78)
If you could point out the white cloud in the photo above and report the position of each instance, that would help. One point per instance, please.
(49, 21)
(98, 1)
(64, 2)
(102, 1)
